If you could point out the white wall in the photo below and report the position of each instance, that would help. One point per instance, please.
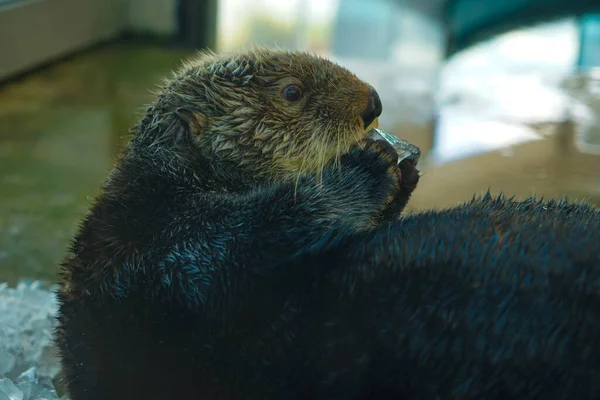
(35, 32)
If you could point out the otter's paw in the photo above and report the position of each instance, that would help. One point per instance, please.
(408, 180)
(370, 178)
(372, 167)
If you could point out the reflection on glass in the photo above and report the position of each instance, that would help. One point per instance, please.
(491, 93)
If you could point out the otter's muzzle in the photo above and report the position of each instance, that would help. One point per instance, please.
(406, 151)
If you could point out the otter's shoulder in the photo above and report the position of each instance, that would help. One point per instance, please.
(484, 233)
(513, 213)
(501, 231)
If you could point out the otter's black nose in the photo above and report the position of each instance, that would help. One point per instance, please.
(373, 108)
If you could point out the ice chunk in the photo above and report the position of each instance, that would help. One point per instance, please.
(28, 389)
(47, 393)
(29, 375)
(27, 324)
(46, 390)
(7, 362)
(27, 383)
(404, 149)
(35, 387)
(8, 390)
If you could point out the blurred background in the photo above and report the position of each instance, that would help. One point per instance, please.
(499, 94)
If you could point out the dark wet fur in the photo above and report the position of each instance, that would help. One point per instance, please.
(220, 285)
(258, 295)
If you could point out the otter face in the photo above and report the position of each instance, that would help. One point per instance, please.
(277, 112)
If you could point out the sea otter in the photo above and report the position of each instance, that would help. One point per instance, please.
(247, 245)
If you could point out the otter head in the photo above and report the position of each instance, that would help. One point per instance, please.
(277, 114)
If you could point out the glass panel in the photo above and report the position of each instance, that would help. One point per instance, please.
(489, 93)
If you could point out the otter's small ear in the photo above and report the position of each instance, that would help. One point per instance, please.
(193, 119)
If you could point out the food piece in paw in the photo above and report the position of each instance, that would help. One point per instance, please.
(406, 151)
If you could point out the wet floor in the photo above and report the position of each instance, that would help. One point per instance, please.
(62, 127)
(548, 165)
(60, 130)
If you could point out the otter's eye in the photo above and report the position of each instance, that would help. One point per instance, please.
(292, 93)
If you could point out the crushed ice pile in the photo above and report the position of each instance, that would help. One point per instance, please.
(28, 358)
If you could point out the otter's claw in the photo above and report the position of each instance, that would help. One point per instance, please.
(406, 151)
